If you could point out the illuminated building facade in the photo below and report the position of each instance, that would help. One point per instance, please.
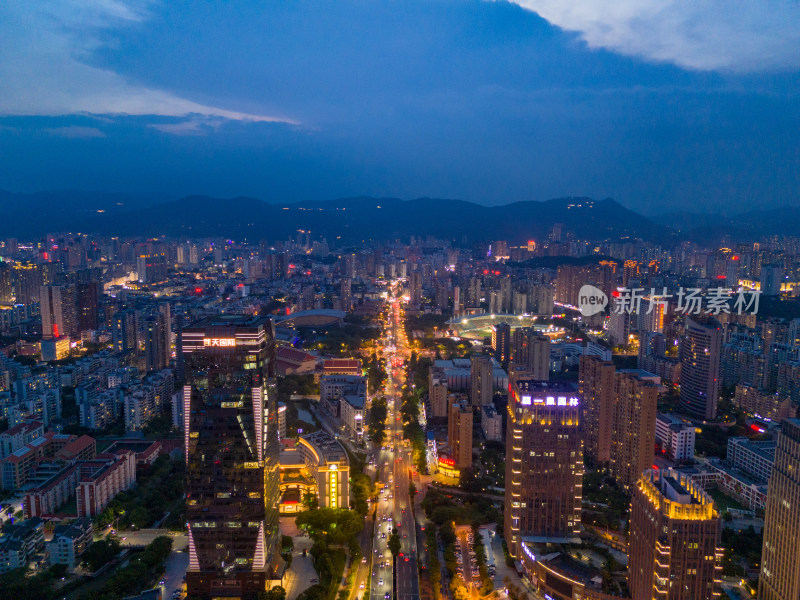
(701, 348)
(459, 434)
(544, 463)
(674, 549)
(318, 465)
(780, 556)
(232, 447)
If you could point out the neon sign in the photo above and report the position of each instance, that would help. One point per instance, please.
(219, 342)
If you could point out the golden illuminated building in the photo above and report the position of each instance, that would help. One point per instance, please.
(544, 463)
(674, 549)
(780, 557)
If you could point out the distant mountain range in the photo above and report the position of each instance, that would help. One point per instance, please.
(362, 218)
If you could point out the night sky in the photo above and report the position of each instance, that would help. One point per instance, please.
(665, 106)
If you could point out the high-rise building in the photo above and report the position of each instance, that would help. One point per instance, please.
(6, 283)
(619, 415)
(501, 343)
(481, 380)
(459, 434)
(123, 330)
(156, 334)
(633, 431)
(700, 352)
(58, 308)
(596, 390)
(88, 300)
(674, 551)
(437, 393)
(28, 280)
(415, 288)
(231, 445)
(346, 294)
(531, 351)
(544, 463)
(780, 556)
(152, 267)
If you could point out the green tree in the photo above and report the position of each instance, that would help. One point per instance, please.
(276, 593)
(99, 553)
(394, 544)
(310, 501)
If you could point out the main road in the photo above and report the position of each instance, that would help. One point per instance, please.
(394, 468)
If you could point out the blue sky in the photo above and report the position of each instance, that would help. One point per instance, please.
(665, 106)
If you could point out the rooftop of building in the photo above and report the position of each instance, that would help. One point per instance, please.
(73, 529)
(228, 320)
(327, 448)
(764, 448)
(357, 402)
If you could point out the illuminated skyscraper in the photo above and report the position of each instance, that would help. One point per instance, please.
(501, 343)
(780, 557)
(58, 308)
(544, 463)
(675, 531)
(231, 442)
(701, 349)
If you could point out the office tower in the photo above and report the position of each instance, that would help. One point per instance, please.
(58, 309)
(481, 380)
(88, 300)
(346, 294)
(674, 549)
(415, 288)
(459, 434)
(700, 352)
(531, 351)
(596, 390)
(780, 556)
(231, 444)
(123, 330)
(544, 463)
(633, 427)
(156, 334)
(501, 343)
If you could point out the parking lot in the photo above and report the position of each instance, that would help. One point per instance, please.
(468, 563)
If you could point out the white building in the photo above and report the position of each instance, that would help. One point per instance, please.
(676, 437)
(70, 542)
(491, 424)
